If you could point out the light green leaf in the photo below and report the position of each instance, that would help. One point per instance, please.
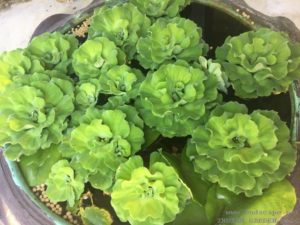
(267, 209)
(193, 213)
(36, 168)
(95, 216)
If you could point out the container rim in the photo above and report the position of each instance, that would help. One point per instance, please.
(229, 7)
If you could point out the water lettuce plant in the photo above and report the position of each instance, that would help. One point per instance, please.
(35, 106)
(121, 82)
(147, 196)
(15, 63)
(175, 98)
(104, 140)
(169, 39)
(63, 184)
(242, 152)
(94, 56)
(259, 63)
(54, 50)
(123, 24)
(86, 93)
(156, 8)
(137, 116)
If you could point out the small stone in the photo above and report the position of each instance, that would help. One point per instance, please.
(85, 197)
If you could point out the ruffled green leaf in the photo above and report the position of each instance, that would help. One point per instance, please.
(193, 213)
(147, 196)
(267, 209)
(159, 8)
(63, 184)
(95, 216)
(213, 68)
(94, 56)
(123, 24)
(241, 152)
(185, 170)
(175, 98)
(259, 63)
(36, 168)
(53, 50)
(170, 39)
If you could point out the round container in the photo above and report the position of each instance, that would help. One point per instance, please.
(221, 18)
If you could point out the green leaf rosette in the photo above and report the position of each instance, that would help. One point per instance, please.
(151, 196)
(159, 8)
(15, 63)
(95, 56)
(260, 63)
(123, 24)
(170, 39)
(121, 82)
(53, 50)
(86, 93)
(242, 152)
(63, 184)
(103, 140)
(176, 98)
(34, 113)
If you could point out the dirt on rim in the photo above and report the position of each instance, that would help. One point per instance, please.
(7, 3)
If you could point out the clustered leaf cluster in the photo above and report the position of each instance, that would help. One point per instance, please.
(83, 114)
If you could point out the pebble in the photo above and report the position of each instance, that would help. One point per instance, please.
(81, 30)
